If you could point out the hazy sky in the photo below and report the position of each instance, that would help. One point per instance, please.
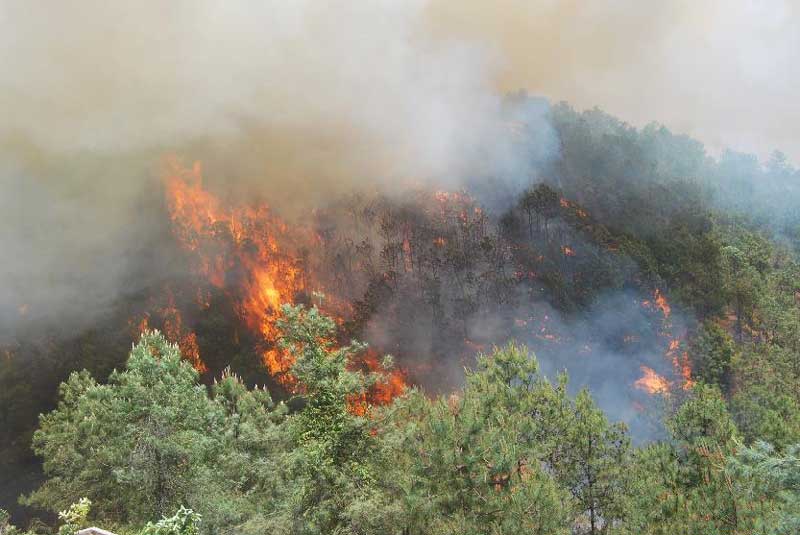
(413, 74)
(724, 71)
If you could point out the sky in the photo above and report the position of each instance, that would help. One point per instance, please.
(723, 71)
(114, 75)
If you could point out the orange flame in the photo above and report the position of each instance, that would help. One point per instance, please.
(175, 331)
(247, 248)
(244, 237)
(384, 391)
(680, 363)
(661, 303)
(652, 383)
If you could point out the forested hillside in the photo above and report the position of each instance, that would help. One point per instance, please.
(664, 280)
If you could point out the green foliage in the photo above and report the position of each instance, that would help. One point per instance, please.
(476, 460)
(183, 522)
(510, 453)
(713, 351)
(686, 487)
(773, 479)
(74, 517)
(133, 445)
(329, 465)
(233, 488)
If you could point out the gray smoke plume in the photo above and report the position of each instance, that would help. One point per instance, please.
(292, 101)
(300, 100)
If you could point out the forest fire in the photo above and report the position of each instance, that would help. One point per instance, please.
(653, 383)
(659, 302)
(245, 239)
(248, 252)
(680, 363)
(175, 330)
(259, 263)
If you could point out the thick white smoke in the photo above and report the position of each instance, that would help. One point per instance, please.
(348, 89)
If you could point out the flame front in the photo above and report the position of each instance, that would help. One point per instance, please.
(250, 253)
(652, 383)
(246, 238)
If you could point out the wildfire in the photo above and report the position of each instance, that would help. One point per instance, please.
(652, 383)
(680, 363)
(565, 203)
(246, 238)
(249, 252)
(393, 384)
(568, 251)
(659, 302)
(175, 331)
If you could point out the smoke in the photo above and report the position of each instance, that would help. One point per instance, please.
(295, 101)
(719, 70)
(303, 100)
(339, 91)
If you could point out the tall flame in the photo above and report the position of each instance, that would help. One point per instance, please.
(652, 382)
(246, 238)
(249, 252)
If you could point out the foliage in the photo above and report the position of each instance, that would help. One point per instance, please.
(328, 467)
(74, 517)
(183, 522)
(133, 445)
(764, 474)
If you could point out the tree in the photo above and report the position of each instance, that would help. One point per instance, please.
(766, 402)
(500, 456)
(742, 284)
(712, 351)
(134, 445)
(684, 487)
(240, 486)
(329, 469)
(765, 476)
(595, 463)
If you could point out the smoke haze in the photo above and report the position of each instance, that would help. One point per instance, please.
(707, 69)
(302, 100)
